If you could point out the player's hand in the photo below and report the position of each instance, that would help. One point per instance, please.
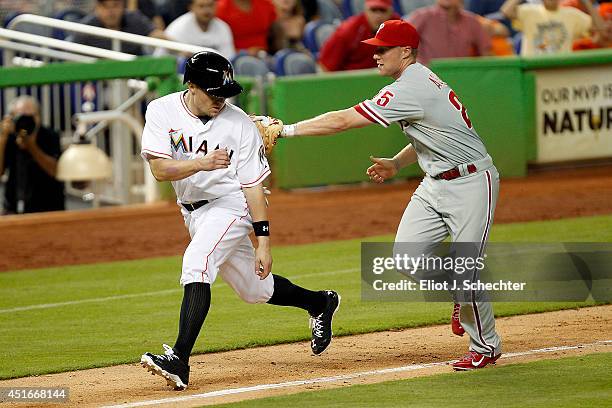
(263, 258)
(216, 159)
(26, 142)
(381, 170)
(7, 126)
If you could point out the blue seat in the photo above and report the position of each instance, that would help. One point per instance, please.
(26, 27)
(181, 62)
(315, 34)
(352, 7)
(10, 17)
(329, 12)
(516, 42)
(247, 65)
(292, 62)
(70, 14)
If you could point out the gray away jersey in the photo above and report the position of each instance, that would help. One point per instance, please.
(432, 117)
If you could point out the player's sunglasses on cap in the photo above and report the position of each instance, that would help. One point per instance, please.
(395, 33)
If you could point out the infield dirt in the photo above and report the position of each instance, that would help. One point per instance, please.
(144, 231)
(288, 362)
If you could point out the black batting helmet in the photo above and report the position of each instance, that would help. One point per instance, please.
(213, 73)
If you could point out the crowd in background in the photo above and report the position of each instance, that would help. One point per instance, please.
(261, 28)
(448, 28)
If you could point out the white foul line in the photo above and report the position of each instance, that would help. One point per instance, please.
(81, 301)
(144, 294)
(413, 367)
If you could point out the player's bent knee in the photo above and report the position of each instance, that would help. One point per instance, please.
(255, 297)
(259, 294)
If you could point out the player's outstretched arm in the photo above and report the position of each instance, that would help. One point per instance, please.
(327, 124)
(258, 208)
(171, 170)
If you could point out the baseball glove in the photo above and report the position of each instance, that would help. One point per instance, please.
(269, 129)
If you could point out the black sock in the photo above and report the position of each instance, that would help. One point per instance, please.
(288, 294)
(196, 302)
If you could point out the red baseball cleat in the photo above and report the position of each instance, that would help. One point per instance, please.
(455, 323)
(473, 361)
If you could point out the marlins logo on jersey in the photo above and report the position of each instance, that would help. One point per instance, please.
(177, 140)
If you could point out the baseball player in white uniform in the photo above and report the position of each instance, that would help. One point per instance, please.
(214, 156)
(458, 194)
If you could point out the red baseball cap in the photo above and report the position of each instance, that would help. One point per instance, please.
(385, 4)
(395, 33)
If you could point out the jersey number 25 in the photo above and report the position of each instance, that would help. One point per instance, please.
(454, 100)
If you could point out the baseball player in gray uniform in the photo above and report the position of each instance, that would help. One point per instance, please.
(214, 156)
(458, 194)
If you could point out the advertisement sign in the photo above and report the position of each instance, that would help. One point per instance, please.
(574, 113)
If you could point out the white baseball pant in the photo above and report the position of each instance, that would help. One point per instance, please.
(220, 244)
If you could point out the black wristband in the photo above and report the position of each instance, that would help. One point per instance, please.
(262, 228)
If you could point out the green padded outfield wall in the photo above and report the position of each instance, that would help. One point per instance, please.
(337, 159)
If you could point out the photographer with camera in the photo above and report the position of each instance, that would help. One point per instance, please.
(29, 152)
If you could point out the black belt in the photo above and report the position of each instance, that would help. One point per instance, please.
(194, 206)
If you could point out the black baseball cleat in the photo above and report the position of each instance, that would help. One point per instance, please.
(321, 325)
(169, 366)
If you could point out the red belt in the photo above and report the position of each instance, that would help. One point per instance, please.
(454, 173)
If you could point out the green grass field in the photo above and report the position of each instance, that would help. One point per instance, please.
(568, 382)
(76, 317)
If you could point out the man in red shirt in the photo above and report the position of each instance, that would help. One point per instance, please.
(344, 50)
(252, 22)
(449, 31)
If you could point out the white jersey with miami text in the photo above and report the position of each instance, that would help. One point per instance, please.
(173, 132)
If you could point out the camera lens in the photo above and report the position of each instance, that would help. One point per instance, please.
(25, 122)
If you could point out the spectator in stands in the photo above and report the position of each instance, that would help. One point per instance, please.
(491, 10)
(449, 31)
(598, 40)
(408, 6)
(170, 10)
(501, 44)
(112, 14)
(200, 27)
(148, 8)
(344, 49)
(253, 24)
(29, 152)
(291, 20)
(549, 28)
